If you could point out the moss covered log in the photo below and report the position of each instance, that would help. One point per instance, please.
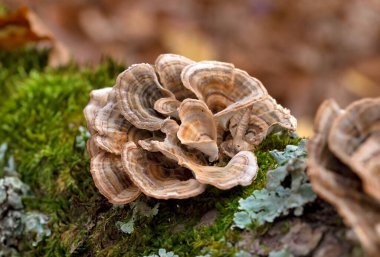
(41, 120)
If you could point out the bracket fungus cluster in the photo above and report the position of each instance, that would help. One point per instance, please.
(163, 129)
(344, 165)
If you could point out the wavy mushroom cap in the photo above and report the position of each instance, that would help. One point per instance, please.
(222, 87)
(98, 98)
(343, 140)
(111, 179)
(111, 127)
(198, 128)
(169, 68)
(137, 91)
(356, 141)
(162, 127)
(167, 106)
(161, 180)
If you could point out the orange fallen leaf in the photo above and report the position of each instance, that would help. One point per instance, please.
(23, 27)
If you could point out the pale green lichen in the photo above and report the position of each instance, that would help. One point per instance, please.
(290, 152)
(139, 209)
(278, 198)
(15, 223)
(7, 168)
(3, 150)
(163, 253)
(35, 227)
(81, 138)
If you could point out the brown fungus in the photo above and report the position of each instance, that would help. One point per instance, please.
(98, 99)
(157, 177)
(137, 90)
(162, 129)
(111, 180)
(198, 129)
(344, 165)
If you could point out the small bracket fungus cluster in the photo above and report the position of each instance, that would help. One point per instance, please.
(163, 129)
(344, 165)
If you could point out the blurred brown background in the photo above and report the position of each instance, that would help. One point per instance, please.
(303, 51)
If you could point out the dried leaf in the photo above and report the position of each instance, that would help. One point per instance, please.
(23, 27)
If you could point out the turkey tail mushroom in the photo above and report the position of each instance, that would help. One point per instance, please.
(137, 90)
(111, 127)
(169, 68)
(249, 127)
(356, 141)
(222, 87)
(113, 130)
(198, 128)
(240, 170)
(162, 127)
(111, 179)
(342, 140)
(167, 106)
(98, 98)
(158, 179)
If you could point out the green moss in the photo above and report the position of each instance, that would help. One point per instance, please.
(41, 113)
(17, 65)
